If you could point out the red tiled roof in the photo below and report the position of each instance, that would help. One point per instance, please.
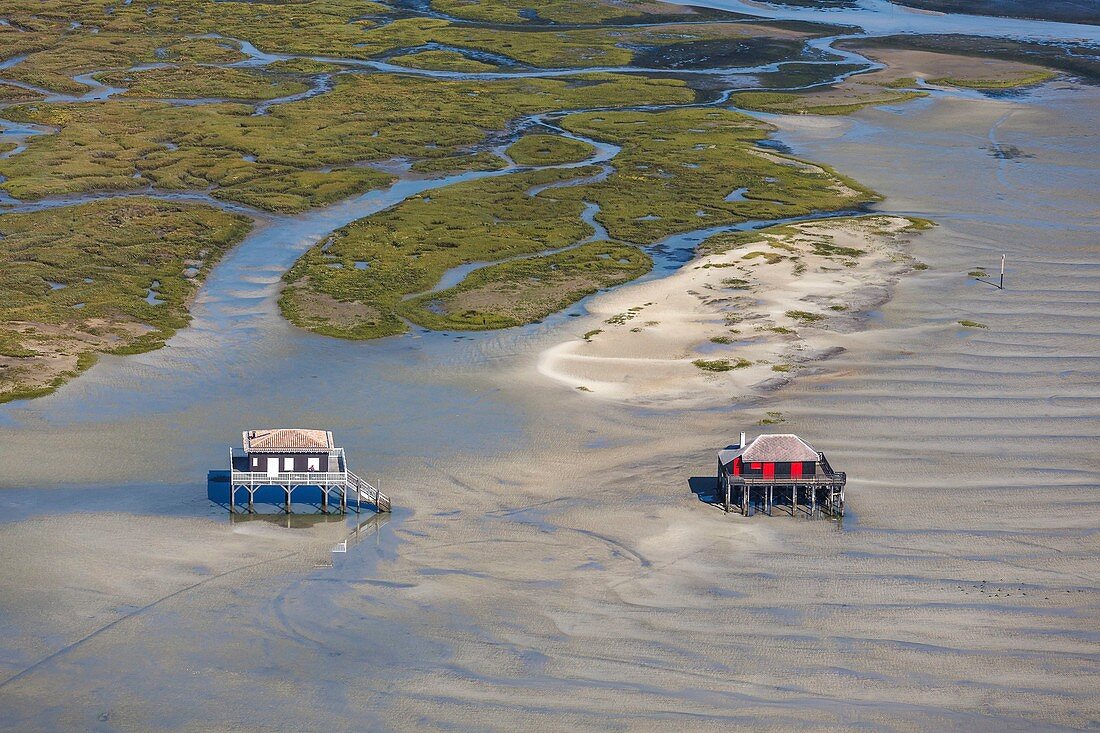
(778, 448)
(295, 440)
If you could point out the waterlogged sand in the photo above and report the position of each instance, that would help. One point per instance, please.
(80, 570)
(563, 575)
(762, 311)
(928, 66)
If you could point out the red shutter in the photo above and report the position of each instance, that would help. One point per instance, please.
(769, 470)
(737, 466)
(796, 470)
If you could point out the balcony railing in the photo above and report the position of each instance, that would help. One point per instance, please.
(838, 477)
(302, 478)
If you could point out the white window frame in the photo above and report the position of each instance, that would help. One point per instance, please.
(288, 464)
(313, 463)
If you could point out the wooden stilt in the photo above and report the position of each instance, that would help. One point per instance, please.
(813, 502)
(232, 499)
(287, 489)
(324, 499)
(745, 500)
(794, 500)
(727, 497)
(251, 500)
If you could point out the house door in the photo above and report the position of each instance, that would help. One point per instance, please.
(272, 466)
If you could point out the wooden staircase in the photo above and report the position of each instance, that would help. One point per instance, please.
(366, 492)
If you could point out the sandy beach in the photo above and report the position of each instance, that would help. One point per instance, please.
(736, 324)
(554, 560)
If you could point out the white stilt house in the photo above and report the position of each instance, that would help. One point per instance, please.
(294, 457)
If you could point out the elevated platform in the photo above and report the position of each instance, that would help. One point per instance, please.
(820, 493)
(340, 488)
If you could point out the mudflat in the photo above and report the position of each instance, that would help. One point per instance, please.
(554, 559)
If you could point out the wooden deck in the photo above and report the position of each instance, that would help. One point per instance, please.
(820, 494)
(342, 487)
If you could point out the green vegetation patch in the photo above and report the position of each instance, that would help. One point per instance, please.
(643, 45)
(669, 164)
(127, 144)
(805, 316)
(410, 246)
(300, 190)
(770, 257)
(548, 150)
(560, 11)
(972, 324)
(110, 276)
(721, 365)
(442, 61)
(195, 82)
(675, 163)
(304, 27)
(774, 417)
(527, 290)
(1007, 82)
(828, 249)
(481, 161)
(816, 103)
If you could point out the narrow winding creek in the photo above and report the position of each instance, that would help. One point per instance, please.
(547, 565)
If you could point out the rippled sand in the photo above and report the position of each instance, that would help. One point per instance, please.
(649, 341)
(566, 576)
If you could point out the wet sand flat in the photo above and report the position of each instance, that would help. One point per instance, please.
(566, 576)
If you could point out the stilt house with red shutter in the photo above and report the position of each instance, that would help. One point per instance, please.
(779, 467)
